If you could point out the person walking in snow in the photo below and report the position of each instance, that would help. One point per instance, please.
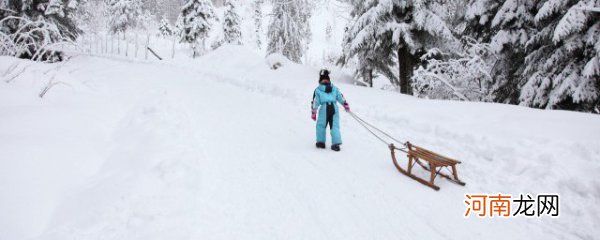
(323, 102)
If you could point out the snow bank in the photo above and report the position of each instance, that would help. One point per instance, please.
(276, 61)
(222, 147)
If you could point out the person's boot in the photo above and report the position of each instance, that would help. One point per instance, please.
(320, 145)
(335, 147)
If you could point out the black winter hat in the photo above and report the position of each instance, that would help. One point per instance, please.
(324, 74)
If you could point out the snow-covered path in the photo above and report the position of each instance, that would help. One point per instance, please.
(223, 148)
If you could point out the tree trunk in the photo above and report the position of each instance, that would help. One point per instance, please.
(371, 78)
(405, 66)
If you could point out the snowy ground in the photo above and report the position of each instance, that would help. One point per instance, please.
(223, 148)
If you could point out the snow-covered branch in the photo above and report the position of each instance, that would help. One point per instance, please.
(465, 75)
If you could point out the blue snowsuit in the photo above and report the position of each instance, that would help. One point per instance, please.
(328, 114)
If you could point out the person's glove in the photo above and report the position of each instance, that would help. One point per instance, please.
(346, 107)
(314, 115)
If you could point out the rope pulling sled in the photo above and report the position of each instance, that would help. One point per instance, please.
(435, 162)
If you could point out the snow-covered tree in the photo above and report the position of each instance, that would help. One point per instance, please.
(177, 30)
(384, 29)
(165, 28)
(28, 28)
(368, 43)
(231, 24)
(148, 21)
(257, 17)
(416, 29)
(330, 53)
(305, 7)
(513, 26)
(56, 7)
(124, 14)
(289, 30)
(93, 16)
(563, 64)
(478, 19)
(507, 26)
(195, 21)
(60, 13)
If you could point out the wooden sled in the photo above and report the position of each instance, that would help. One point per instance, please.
(435, 163)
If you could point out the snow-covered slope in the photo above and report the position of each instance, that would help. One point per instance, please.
(223, 148)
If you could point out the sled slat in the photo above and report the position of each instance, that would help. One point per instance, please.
(435, 154)
(432, 157)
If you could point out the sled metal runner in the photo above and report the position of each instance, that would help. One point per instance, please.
(435, 163)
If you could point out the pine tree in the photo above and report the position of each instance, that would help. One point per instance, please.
(257, 16)
(507, 26)
(195, 21)
(124, 14)
(165, 28)
(416, 29)
(478, 18)
(231, 24)
(147, 20)
(381, 29)
(369, 43)
(58, 12)
(563, 61)
(91, 16)
(38, 23)
(289, 30)
(62, 14)
(304, 7)
(513, 25)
